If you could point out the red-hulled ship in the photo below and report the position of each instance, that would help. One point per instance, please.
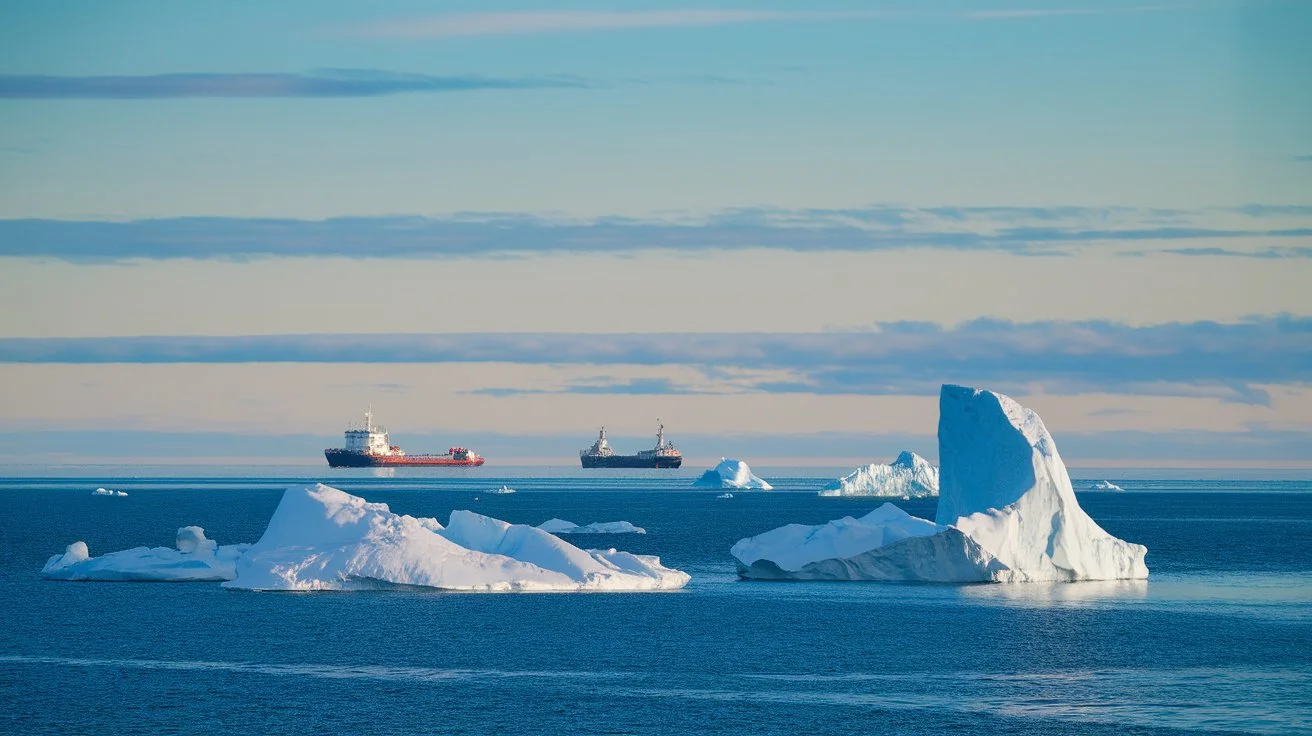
(368, 447)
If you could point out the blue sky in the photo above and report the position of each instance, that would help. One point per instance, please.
(755, 220)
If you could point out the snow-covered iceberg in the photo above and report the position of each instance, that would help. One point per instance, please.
(195, 559)
(1106, 485)
(1006, 513)
(560, 526)
(107, 492)
(909, 476)
(321, 538)
(731, 474)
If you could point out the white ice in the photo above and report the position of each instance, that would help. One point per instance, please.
(321, 538)
(909, 476)
(107, 492)
(1106, 485)
(195, 559)
(725, 495)
(1006, 513)
(560, 526)
(503, 490)
(731, 474)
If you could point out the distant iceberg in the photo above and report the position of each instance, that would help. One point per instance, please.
(731, 474)
(502, 491)
(1006, 513)
(725, 495)
(195, 559)
(321, 538)
(107, 492)
(909, 476)
(560, 526)
(1106, 485)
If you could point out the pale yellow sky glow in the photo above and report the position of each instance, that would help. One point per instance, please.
(769, 291)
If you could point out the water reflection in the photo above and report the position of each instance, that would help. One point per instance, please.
(1047, 595)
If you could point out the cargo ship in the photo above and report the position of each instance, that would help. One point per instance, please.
(368, 447)
(600, 455)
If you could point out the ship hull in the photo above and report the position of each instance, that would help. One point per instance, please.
(630, 461)
(341, 459)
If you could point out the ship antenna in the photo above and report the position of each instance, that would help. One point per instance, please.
(660, 433)
(369, 418)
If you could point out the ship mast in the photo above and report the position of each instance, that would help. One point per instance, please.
(369, 419)
(660, 435)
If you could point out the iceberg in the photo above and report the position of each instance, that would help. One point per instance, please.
(909, 476)
(195, 559)
(560, 526)
(1006, 513)
(502, 491)
(731, 474)
(107, 492)
(725, 495)
(1106, 485)
(321, 538)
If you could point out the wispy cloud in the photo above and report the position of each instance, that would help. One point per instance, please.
(1230, 361)
(1048, 12)
(322, 83)
(1037, 231)
(569, 21)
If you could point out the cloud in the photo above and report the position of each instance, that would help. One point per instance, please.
(1231, 361)
(322, 83)
(451, 25)
(1035, 231)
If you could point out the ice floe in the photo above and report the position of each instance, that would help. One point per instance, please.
(725, 495)
(909, 476)
(502, 491)
(1106, 485)
(321, 538)
(196, 558)
(107, 492)
(560, 526)
(1006, 513)
(731, 474)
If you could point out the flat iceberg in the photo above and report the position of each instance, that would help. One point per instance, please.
(321, 538)
(725, 495)
(1106, 485)
(731, 474)
(195, 559)
(1006, 513)
(107, 492)
(502, 491)
(909, 476)
(560, 526)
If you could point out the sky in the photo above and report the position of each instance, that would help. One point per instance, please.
(226, 229)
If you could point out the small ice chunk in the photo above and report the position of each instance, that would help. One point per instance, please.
(725, 495)
(1106, 485)
(107, 492)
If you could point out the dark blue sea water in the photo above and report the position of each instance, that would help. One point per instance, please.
(1218, 640)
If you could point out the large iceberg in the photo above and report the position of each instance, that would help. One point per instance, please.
(321, 538)
(1006, 513)
(195, 559)
(560, 526)
(909, 476)
(731, 474)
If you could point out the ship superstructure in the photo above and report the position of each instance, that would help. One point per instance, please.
(663, 455)
(369, 447)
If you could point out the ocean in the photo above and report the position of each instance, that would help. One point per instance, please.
(1219, 639)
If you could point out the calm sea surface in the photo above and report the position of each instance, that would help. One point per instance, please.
(1219, 640)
